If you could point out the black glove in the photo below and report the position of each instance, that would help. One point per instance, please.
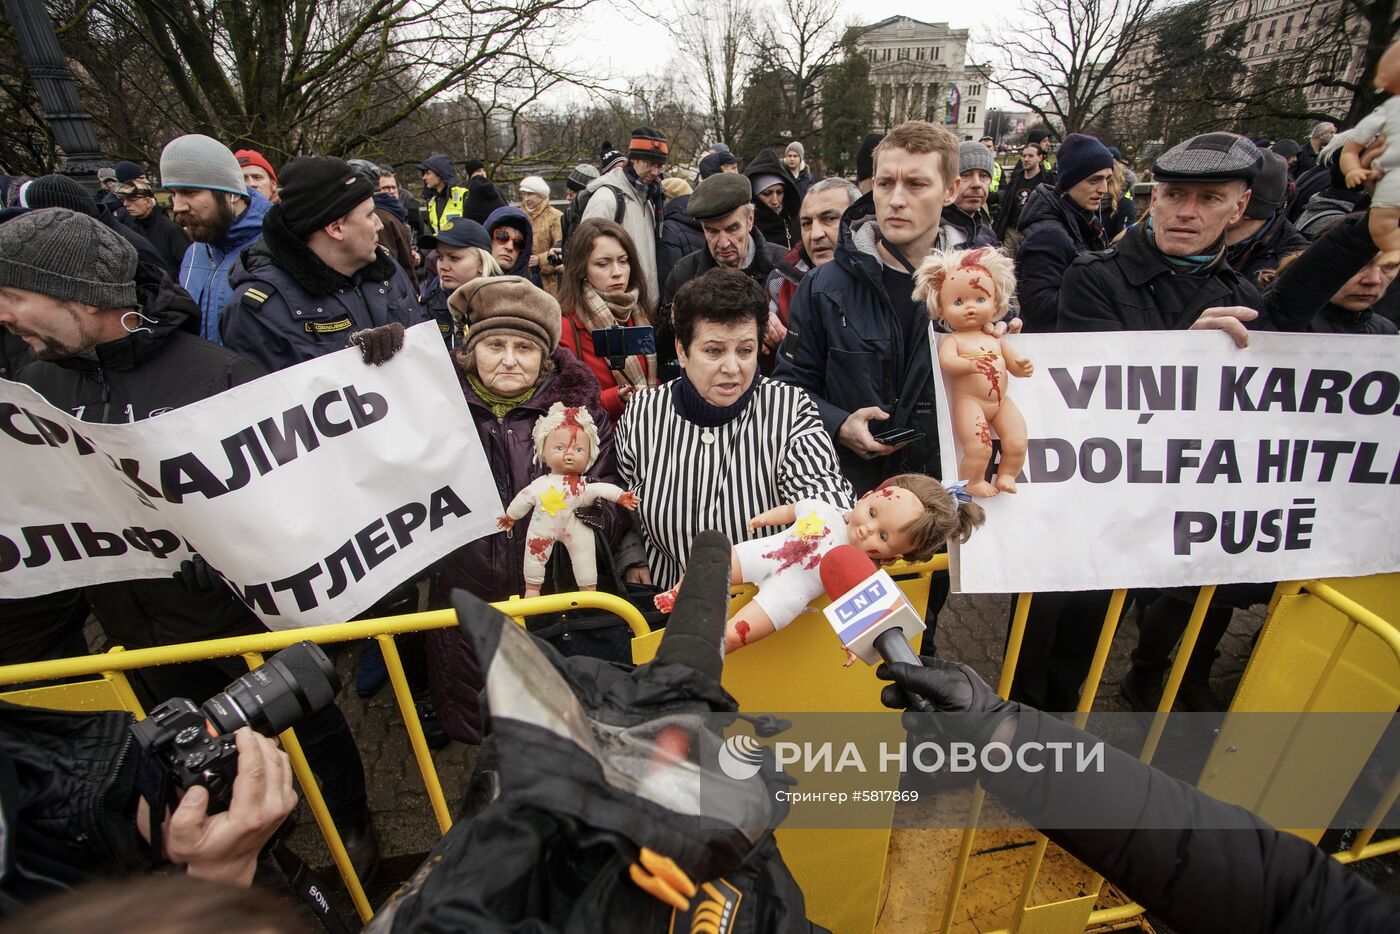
(952, 688)
(379, 344)
(196, 575)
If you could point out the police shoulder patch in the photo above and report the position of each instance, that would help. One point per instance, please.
(254, 297)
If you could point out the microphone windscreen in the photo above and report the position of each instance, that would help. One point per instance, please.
(695, 633)
(843, 567)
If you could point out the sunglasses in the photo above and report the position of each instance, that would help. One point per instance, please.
(502, 235)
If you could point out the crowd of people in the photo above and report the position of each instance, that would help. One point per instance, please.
(788, 342)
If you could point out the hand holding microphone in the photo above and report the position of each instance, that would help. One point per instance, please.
(869, 612)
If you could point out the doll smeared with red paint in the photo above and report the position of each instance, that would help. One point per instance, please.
(968, 289)
(909, 516)
(566, 441)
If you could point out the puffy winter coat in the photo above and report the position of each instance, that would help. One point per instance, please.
(846, 347)
(493, 568)
(67, 783)
(288, 306)
(1053, 232)
(1312, 279)
(780, 228)
(547, 229)
(207, 267)
(680, 236)
(130, 379)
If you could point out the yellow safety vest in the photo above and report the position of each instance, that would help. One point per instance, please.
(453, 208)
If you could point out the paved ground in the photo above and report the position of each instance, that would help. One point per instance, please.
(972, 630)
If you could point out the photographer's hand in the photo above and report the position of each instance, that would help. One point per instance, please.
(225, 846)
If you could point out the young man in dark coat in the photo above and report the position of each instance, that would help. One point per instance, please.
(1263, 236)
(110, 347)
(1017, 191)
(1057, 224)
(318, 275)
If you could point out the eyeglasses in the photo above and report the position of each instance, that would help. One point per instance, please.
(502, 235)
(389, 189)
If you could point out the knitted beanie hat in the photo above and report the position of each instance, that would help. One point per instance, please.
(197, 161)
(128, 171)
(580, 176)
(535, 186)
(648, 143)
(1080, 156)
(796, 147)
(252, 157)
(1269, 188)
(975, 156)
(57, 191)
(68, 255)
(316, 190)
(506, 304)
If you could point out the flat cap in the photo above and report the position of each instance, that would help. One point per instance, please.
(1210, 157)
(1269, 187)
(1287, 147)
(718, 195)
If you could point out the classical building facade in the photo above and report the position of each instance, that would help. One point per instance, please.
(920, 71)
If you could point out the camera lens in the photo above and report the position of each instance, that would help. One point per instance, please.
(293, 684)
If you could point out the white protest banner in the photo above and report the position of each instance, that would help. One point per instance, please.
(314, 490)
(1175, 458)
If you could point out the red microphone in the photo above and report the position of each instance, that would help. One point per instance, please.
(871, 616)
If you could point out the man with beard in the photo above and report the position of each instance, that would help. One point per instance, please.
(218, 210)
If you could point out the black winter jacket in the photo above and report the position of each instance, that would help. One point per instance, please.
(137, 377)
(1229, 872)
(1054, 230)
(166, 236)
(780, 228)
(845, 347)
(493, 568)
(288, 306)
(680, 236)
(974, 228)
(1263, 251)
(1131, 287)
(67, 792)
(1312, 279)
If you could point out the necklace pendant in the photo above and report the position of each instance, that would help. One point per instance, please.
(707, 436)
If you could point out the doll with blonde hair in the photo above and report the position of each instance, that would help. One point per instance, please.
(967, 290)
(566, 441)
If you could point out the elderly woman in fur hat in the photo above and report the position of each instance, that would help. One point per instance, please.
(512, 370)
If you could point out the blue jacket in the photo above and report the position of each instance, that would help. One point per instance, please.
(205, 269)
(434, 304)
(518, 219)
(289, 307)
(845, 347)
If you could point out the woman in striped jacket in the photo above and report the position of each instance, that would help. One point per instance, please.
(722, 443)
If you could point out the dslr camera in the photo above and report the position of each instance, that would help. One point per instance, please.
(196, 745)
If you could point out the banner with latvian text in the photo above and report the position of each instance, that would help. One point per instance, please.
(313, 491)
(1161, 459)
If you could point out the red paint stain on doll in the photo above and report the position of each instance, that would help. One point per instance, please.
(741, 629)
(987, 366)
(665, 602)
(798, 550)
(539, 547)
(984, 432)
(573, 484)
(975, 282)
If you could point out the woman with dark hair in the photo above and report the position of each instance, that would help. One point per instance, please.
(603, 287)
(722, 443)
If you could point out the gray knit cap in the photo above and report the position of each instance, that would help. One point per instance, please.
(196, 161)
(975, 156)
(67, 255)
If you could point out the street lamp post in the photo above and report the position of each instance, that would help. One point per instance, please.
(72, 127)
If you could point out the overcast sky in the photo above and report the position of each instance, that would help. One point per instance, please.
(612, 35)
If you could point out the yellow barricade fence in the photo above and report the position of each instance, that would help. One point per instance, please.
(1321, 642)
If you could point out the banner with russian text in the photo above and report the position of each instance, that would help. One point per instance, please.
(313, 491)
(1159, 459)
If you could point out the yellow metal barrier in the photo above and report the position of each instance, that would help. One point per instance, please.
(822, 861)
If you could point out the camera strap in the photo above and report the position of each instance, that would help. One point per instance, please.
(307, 885)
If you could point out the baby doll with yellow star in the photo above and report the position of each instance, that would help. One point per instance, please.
(908, 517)
(566, 441)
